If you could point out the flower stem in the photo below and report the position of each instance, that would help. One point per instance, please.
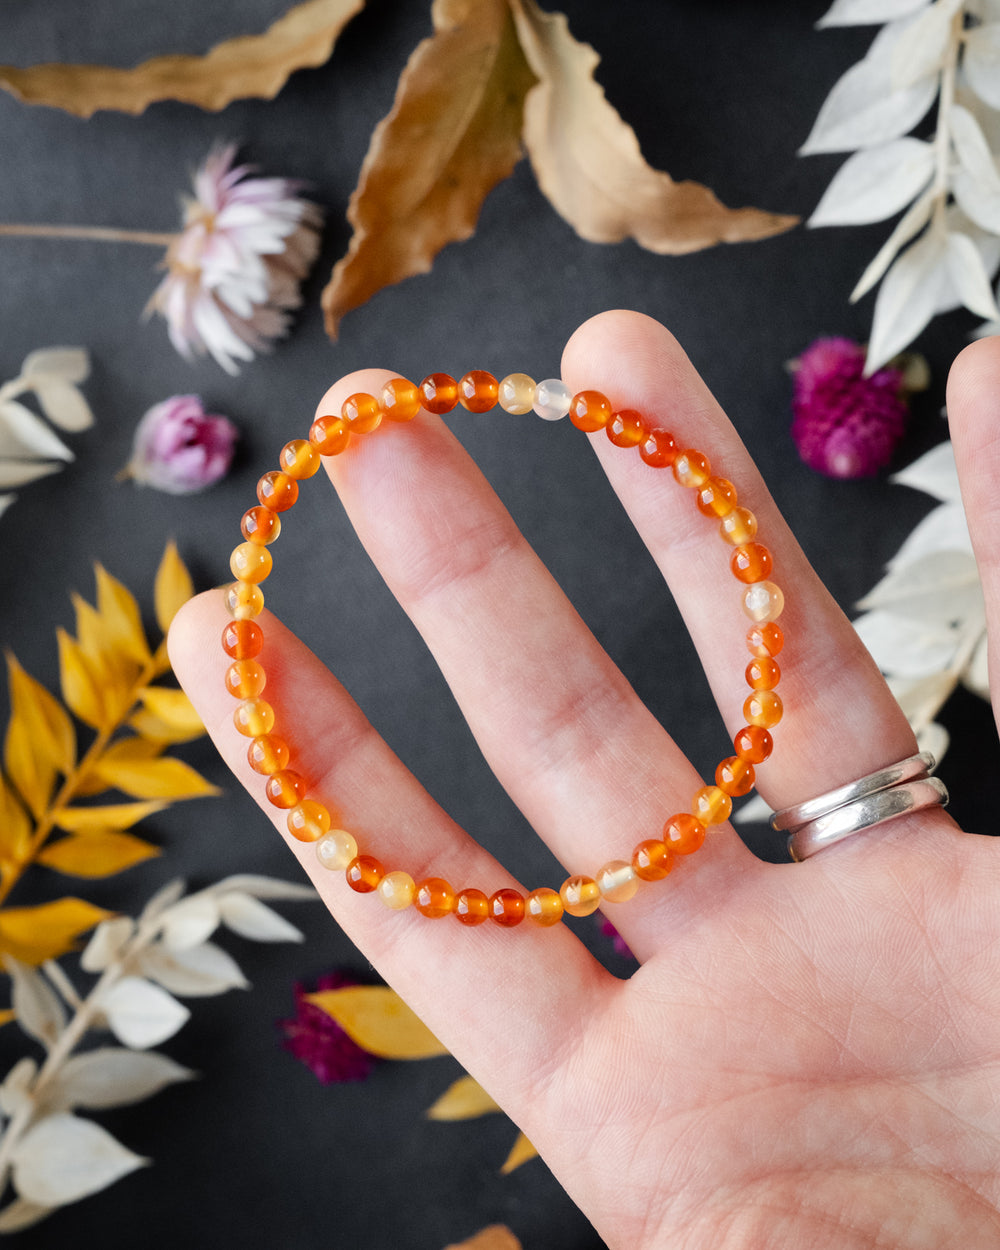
(946, 100)
(102, 234)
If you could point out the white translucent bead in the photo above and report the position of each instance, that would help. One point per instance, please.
(763, 601)
(516, 393)
(617, 881)
(552, 399)
(336, 849)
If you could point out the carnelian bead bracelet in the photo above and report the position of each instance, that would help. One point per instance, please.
(309, 820)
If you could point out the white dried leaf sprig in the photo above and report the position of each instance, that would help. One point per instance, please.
(49, 1155)
(945, 248)
(29, 448)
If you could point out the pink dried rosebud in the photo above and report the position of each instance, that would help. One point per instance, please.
(319, 1042)
(844, 424)
(178, 447)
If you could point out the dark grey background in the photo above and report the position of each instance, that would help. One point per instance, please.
(257, 1154)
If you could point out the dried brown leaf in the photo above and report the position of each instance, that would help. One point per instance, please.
(589, 165)
(248, 66)
(453, 133)
(496, 1237)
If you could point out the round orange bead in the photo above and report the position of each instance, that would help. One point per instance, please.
(683, 834)
(400, 400)
(580, 896)
(626, 428)
(691, 468)
(439, 392)
(299, 459)
(735, 775)
(242, 640)
(738, 527)
(716, 497)
(544, 907)
(277, 491)
(652, 860)
(250, 562)
(245, 679)
(472, 907)
(753, 743)
(763, 708)
(260, 525)
(362, 413)
(308, 821)
(763, 673)
(477, 391)
(364, 872)
(590, 411)
(765, 639)
(507, 908)
(712, 805)
(285, 788)
(617, 881)
(253, 718)
(329, 435)
(751, 562)
(435, 898)
(244, 600)
(658, 449)
(268, 754)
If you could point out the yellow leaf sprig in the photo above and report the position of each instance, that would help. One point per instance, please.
(107, 671)
(377, 1020)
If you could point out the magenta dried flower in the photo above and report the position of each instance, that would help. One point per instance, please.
(178, 447)
(319, 1042)
(844, 424)
(609, 931)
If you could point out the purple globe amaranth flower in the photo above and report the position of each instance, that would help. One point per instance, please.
(178, 447)
(315, 1038)
(844, 424)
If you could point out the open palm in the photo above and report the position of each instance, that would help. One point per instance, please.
(808, 1055)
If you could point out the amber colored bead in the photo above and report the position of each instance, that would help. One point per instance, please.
(716, 497)
(617, 881)
(308, 821)
(712, 805)
(277, 491)
(471, 907)
(763, 708)
(245, 679)
(652, 860)
(590, 411)
(507, 908)
(285, 788)
(763, 673)
(244, 600)
(477, 390)
(299, 459)
(260, 525)
(626, 428)
(434, 898)
(268, 754)
(364, 873)
(658, 449)
(439, 392)
(336, 849)
(765, 639)
(329, 435)
(254, 717)
(691, 468)
(242, 640)
(250, 562)
(738, 527)
(753, 744)
(763, 602)
(397, 890)
(516, 393)
(735, 775)
(751, 562)
(544, 907)
(580, 896)
(400, 400)
(683, 834)
(361, 412)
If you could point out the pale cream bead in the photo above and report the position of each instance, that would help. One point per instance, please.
(396, 890)
(516, 393)
(552, 399)
(763, 601)
(617, 881)
(336, 849)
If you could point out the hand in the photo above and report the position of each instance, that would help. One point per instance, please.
(809, 1054)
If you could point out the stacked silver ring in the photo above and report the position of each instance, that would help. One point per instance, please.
(872, 800)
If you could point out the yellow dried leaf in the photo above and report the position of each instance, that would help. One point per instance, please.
(96, 854)
(113, 670)
(157, 730)
(133, 749)
(120, 612)
(106, 816)
(453, 133)
(15, 830)
(40, 739)
(521, 1152)
(7, 1014)
(251, 65)
(153, 778)
(174, 709)
(172, 588)
(495, 1237)
(379, 1021)
(34, 934)
(464, 1100)
(79, 687)
(589, 164)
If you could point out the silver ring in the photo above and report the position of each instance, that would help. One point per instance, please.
(894, 775)
(865, 813)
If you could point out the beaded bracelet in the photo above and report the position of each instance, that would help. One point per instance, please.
(309, 820)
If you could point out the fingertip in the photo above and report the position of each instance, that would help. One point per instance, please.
(190, 630)
(974, 385)
(361, 381)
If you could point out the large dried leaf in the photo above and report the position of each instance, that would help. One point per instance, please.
(120, 612)
(378, 1020)
(40, 739)
(908, 297)
(495, 1237)
(34, 934)
(251, 65)
(589, 165)
(454, 131)
(38, 1008)
(141, 1014)
(21, 1214)
(465, 1099)
(106, 816)
(26, 437)
(196, 972)
(112, 667)
(172, 588)
(174, 710)
(876, 183)
(80, 690)
(111, 1077)
(56, 364)
(154, 779)
(252, 919)
(96, 854)
(63, 1158)
(15, 830)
